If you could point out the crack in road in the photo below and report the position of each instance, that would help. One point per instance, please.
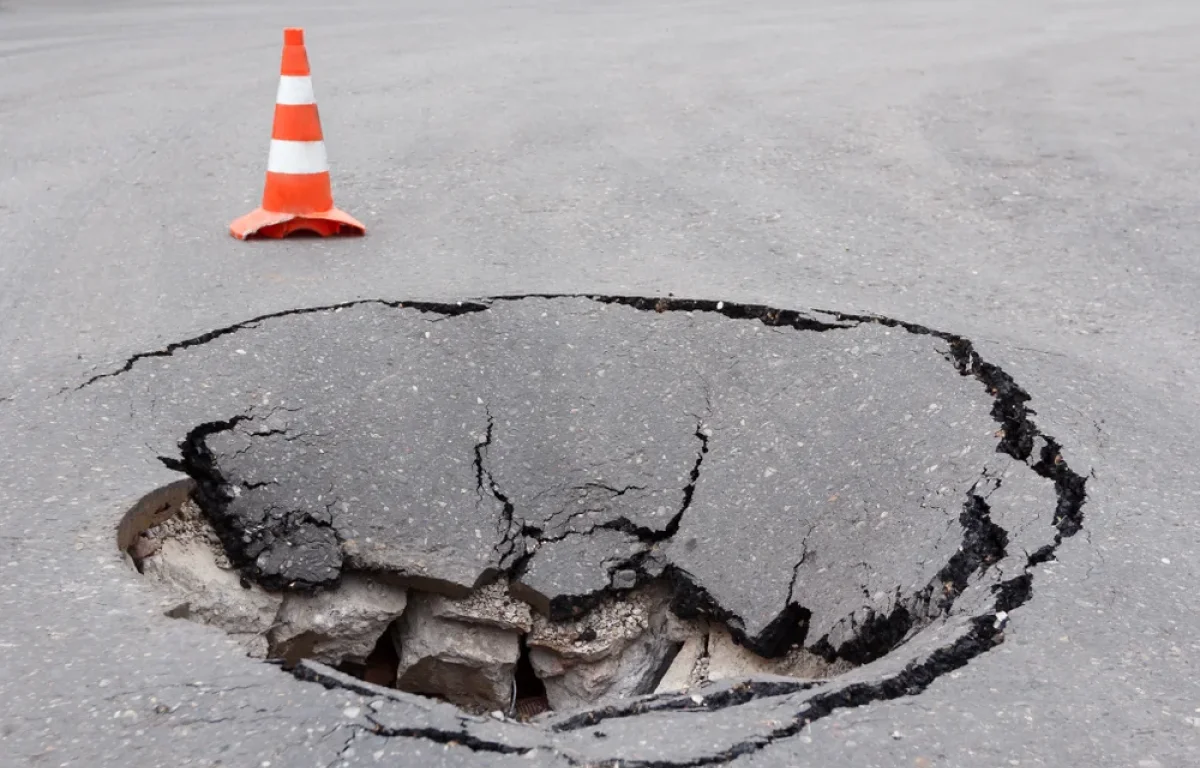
(766, 315)
(514, 529)
(643, 533)
(450, 310)
(461, 738)
(984, 542)
(292, 529)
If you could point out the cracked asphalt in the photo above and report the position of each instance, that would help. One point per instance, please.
(823, 481)
(1022, 174)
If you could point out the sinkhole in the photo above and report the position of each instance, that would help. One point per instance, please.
(542, 504)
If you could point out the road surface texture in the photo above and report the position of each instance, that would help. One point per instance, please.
(1025, 175)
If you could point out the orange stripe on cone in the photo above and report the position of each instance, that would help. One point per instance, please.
(297, 122)
(297, 194)
(295, 57)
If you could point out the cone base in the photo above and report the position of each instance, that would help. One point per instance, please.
(260, 223)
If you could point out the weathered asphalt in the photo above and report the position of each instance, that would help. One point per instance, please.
(1024, 174)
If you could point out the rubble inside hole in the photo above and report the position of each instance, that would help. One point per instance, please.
(486, 652)
(336, 626)
(185, 558)
(471, 665)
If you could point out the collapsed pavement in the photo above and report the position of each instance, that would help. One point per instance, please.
(781, 496)
(465, 651)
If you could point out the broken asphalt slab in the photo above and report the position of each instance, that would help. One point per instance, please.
(271, 405)
(804, 481)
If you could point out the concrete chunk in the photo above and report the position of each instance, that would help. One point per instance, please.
(469, 665)
(341, 624)
(489, 606)
(200, 589)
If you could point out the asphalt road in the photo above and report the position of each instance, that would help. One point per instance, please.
(1025, 173)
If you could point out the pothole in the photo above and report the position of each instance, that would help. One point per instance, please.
(540, 505)
(486, 652)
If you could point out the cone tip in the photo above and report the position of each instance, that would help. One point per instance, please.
(293, 36)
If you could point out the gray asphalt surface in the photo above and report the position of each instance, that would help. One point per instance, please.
(1026, 174)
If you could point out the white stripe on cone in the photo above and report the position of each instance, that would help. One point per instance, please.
(297, 157)
(295, 90)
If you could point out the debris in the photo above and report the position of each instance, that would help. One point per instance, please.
(200, 585)
(681, 675)
(470, 665)
(624, 579)
(727, 659)
(488, 606)
(336, 625)
(627, 650)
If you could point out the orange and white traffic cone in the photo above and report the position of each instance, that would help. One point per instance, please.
(297, 195)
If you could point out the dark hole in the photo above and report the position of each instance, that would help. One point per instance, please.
(530, 698)
(352, 668)
(380, 666)
(655, 675)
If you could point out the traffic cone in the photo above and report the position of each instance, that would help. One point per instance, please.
(297, 195)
